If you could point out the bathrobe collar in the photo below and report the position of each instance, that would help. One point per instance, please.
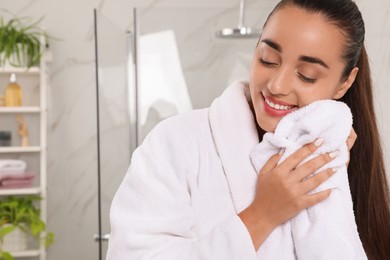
(234, 132)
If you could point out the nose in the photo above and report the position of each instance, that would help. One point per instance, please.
(280, 82)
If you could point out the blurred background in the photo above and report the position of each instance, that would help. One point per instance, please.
(170, 48)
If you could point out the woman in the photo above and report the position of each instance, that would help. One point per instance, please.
(179, 198)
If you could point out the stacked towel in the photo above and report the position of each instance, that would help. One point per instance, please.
(13, 174)
(16, 166)
(328, 229)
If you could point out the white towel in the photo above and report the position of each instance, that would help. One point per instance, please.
(328, 229)
(12, 166)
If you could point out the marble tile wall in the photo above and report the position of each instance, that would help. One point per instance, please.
(72, 167)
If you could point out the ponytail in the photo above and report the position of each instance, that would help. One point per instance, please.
(366, 170)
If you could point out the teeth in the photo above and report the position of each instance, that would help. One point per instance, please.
(277, 106)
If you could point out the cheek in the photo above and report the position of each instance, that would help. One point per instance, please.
(309, 94)
(258, 76)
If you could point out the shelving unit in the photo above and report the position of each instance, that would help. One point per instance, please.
(27, 253)
(4, 110)
(38, 150)
(28, 191)
(20, 149)
(32, 70)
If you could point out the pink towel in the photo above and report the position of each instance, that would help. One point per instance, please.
(16, 186)
(20, 180)
(16, 183)
(17, 176)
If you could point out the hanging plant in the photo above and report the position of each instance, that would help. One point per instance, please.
(20, 42)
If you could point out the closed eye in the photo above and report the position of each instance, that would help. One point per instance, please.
(306, 79)
(267, 63)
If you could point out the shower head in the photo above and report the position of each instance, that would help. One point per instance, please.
(235, 33)
(241, 31)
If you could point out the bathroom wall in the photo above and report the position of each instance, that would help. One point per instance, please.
(72, 199)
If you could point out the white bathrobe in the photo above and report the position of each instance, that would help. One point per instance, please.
(185, 185)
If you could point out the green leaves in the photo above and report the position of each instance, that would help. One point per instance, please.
(21, 212)
(19, 43)
(15, 210)
(6, 230)
(6, 256)
(49, 239)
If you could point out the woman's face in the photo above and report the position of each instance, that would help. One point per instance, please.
(298, 60)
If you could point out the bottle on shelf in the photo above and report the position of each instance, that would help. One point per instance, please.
(2, 100)
(13, 93)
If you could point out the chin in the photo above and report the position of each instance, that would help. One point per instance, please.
(267, 126)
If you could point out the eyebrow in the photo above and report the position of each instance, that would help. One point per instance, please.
(313, 60)
(272, 44)
(304, 58)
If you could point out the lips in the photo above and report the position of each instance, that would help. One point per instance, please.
(277, 108)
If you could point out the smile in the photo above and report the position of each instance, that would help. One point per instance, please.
(275, 108)
(278, 106)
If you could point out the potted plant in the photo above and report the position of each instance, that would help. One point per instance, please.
(19, 215)
(20, 42)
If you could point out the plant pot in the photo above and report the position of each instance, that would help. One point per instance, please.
(13, 60)
(15, 241)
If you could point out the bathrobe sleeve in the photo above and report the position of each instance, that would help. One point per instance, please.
(152, 216)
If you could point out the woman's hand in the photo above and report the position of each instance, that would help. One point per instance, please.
(350, 142)
(282, 191)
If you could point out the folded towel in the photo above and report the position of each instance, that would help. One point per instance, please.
(16, 175)
(10, 166)
(12, 184)
(328, 229)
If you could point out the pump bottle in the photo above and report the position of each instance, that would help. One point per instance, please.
(13, 93)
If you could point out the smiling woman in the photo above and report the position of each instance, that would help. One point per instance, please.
(296, 63)
(194, 189)
(311, 51)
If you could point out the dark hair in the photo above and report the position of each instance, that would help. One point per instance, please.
(366, 170)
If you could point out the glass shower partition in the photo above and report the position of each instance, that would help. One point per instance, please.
(182, 64)
(113, 52)
(170, 62)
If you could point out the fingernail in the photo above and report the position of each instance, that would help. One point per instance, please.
(333, 154)
(282, 151)
(318, 142)
(334, 170)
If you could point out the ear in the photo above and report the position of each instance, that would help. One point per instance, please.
(344, 86)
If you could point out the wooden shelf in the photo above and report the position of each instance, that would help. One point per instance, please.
(20, 109)
(7, 70)
(26, 253)
(20, 149)
(24, 191)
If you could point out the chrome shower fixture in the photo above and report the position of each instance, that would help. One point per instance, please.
(241, 31)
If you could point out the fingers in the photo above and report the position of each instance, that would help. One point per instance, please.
(350, 142)
(351, 139)
(293, 160)
(271, 164)
(312, 165)
(313, 199)
(316, 180)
